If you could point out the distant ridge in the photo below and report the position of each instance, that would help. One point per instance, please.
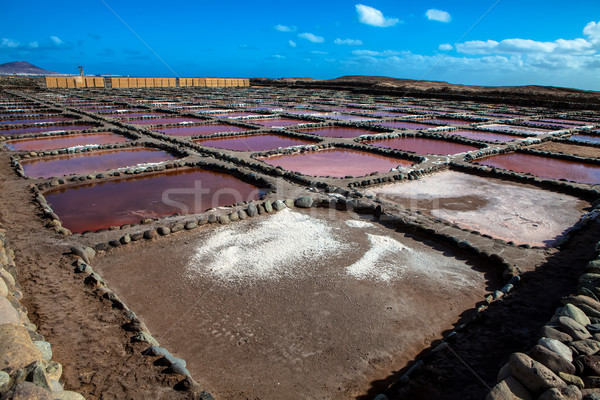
(24, 68)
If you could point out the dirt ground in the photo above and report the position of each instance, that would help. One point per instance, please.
(295, 318)
(566, 148)
(85, 332)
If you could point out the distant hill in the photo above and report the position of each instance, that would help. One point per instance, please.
(24, 68)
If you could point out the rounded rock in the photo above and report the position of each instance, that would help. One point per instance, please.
(533, 375)
(8, 314)
(573, 312)
(278, 205)
(559, 348)
(303, 202)
(509, 389)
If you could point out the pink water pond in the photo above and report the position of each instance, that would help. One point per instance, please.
(84, 163)
(259, 142)
(422, 145)
(44, 129)
(336, 162)
(545, 167)
(201, 130)
(90, 207)
(60, 142)
(337, 131)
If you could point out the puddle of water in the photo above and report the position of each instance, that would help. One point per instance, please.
(336, 162)
(260, 142)
(60, 142)
(236, 115)
(545, 167)
(448, 121)
(124, 115)
(127, 201)
(342, 117)
(424, 145)
(84, 163)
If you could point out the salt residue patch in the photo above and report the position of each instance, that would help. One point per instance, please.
(355, 223)
(277, 246)
(372, 266)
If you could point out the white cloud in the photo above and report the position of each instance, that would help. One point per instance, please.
(278, 56)
(285, 28)
(292, 43)
(9, 44)
(371, 53)
(34, 45)
(319, 52)
(372, 16)
(56, 40)
(592, 31)
(438, 15)
(348, 42)
(311, 38)
(445, 47)
(477, 47)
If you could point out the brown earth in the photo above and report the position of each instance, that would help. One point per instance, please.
(86, 335)
(567, 148)
(523, 95)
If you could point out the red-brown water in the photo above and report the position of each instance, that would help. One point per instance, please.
(545, 167)
(90, 207)
(479, 135)
(423, 145)
(60, 142)
(405, 125)
(337, 131)
(336, 162)
(161, 121)
(84, 163)
(201, 130)
(386, 114)
(544, 123)
(260, 142)
(585, 138)
(45, 128)
(276, 122)
(35, 120)
(513, 128)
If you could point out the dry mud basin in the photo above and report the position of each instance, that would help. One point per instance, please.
(505, 210)
(294, 305)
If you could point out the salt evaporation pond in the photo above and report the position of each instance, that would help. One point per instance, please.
(511, 211)
(295, 305)
(84, 163)
(259, 142)
(200, 130)
(517, 129)
(278, 122)
(94, 206)
(64, 141)
(336, 131)
(44, 129)
(161, 121)
(422, 145)
(35, 120)
(405, 125)
(545, 167)
(583, 138)
(336, 163)
(481, 135)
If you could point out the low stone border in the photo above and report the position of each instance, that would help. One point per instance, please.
(27, 369)
(565, 363)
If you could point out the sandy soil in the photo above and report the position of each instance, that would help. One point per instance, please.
(567, 148)
(85, 333)
(505, 210)
(293, 305)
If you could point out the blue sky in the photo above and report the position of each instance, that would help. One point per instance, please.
(478, 42)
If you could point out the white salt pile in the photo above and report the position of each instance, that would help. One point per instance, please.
(372, 264)
(280, 245)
